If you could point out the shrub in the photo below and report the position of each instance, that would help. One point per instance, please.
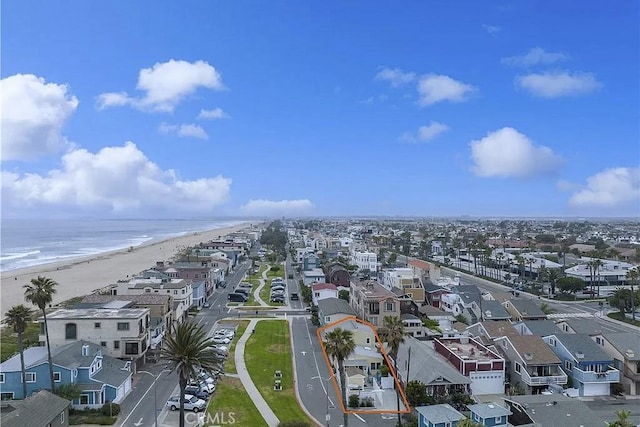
(367, 402)
(110, 409)
(275, 268)
(354, 401)
(384, 370)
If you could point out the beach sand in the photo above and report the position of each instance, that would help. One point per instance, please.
(80, 276)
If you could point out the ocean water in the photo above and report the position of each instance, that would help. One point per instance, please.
(25, 243)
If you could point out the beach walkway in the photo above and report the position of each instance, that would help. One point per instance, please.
(264, 409)
(263, 282)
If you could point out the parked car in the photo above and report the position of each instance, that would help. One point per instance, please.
(236, 297)
(197, 392)
(245, 285)
(243, 291)
(294, 297)
(208, 387)
(277, 288)
(191, 403)
(221, 340)
(206, 305)
(277, 298)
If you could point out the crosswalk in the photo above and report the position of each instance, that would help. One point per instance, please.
(568, 315)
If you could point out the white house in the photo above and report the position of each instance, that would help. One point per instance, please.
(180, 289)
(315, 275)
(320, 291)
(365, 260)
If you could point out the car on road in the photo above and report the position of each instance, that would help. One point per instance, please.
(236, 297)
(206, 305)
(191, 403)
(290, 276)
(294, 297)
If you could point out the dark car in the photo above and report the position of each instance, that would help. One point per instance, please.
(290, 276)
(277, 298)
(197, 392)
(295, 297)
(235, 297)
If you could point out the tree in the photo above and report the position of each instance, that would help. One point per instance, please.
(188, 351)
(18, 318)
(339, 344)
(460, 318)
(570, 285)
(624, 300)
(416, 392)
(40, 293)
(553, 275)
(393, 258)
(546, 309)
(70, 391)
(468, 422)
(622, 420)
(392, 332)
(343, 294)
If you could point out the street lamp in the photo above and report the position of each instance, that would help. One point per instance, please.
(326, 392)
(155, 396)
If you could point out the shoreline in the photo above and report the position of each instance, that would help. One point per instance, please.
(83, 275)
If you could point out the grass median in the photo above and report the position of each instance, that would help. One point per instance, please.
(230, 363)
(269, 350)
(231, 398)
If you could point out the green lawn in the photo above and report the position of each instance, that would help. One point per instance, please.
(265, 294)
(230, 363)
(267, 351)
(9, 340)
(618, 316)
(231, 397)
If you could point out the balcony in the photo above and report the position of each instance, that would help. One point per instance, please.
(611, 375)
(557, 376)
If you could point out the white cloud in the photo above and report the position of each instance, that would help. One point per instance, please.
(277, 207)
(184, 130)
(508, 153)
(117, 179)
(536, 56)
(564, 185)
(425, 133)
(491, 29)
(434, 88)
(558, 83)
(395, 76)
(33, 115)
(214, 114)
(165, 85)
(610, 188)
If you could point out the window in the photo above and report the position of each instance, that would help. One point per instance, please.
(8, 395)
(96, 325)
(103, 343)
(517, 368)
(327, 319)
(71, 331)
(552, 342)
(1, 378)
(131, 348)
(123, 326)
(56, 377)
(84, 399)
(116, 345)
(31, 377)
(62, 417)
(568, 366)
(175, 292)
(389, 306)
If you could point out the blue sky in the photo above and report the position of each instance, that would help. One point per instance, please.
(295, 108)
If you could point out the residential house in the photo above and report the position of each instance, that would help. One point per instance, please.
(331, 310)
(489, 414)
(417, 360)
(490, 330)
(611, 273)
(160, 310)
(372, 301)
(100, 377)
(301, 253)
(427, 271)
(541, 328)
(624, 347)
(550, 410)
(433, 293)
(404, 282)
(155, 282)
(313, 276)
(443, 415)
(461, 305)
(320, 291)
(367, 261)
(493, 310)
(310, 262)
(196, 271)
(338, 275)
(585, 362)
(41, 409)
(365, 356)
(121, 332)
(483, 367)
(581, 325)
(523, 309)
(413, 326)
(532, 366)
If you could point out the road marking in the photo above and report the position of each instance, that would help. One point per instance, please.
(360, 418)
(139, 423)
(137, 404)
(304, 353)
(306, 324)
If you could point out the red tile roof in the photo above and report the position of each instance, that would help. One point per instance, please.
(320, 286)
(418, 263)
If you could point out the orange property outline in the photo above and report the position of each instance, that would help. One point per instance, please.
(386, 358)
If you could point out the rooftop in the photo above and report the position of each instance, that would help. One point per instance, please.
(321, 286)
(541, 328)
(499, 328)
(39, 409)
(143, 299)
(374, 290)
(555, 410)
(626, 343)
(98, 313)
(533, 350)
(488, 410)
(469, 350)
(440, 414)
(583, 348)
(329, 306)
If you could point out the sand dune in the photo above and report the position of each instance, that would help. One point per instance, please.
(81, 276)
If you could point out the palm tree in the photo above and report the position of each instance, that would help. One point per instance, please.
(521, 263)
(622, 421)
(595, 265)
(40, 293)
(18, 317)
(499, 258)
(552, 275)
(392, 332)
(633, 275)
(531, 261)
(188, 350)
(339, 344)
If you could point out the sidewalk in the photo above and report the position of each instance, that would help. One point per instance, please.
(256, 293)
(253, 392)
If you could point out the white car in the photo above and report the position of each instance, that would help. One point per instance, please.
(221, 340)
(191, 403)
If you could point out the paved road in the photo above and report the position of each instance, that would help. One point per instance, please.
(292, 284)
